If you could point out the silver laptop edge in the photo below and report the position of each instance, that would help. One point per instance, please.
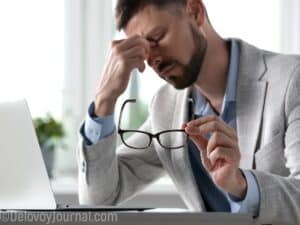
(24, 180)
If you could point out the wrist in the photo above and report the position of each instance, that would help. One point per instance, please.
(104, 105)
(240, 185)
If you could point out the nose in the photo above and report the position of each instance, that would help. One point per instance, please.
(154, 60)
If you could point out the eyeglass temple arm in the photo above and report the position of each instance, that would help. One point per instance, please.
(190, 103)
(191, 108)
(122, 109)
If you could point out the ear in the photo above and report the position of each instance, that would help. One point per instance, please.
(196, 11)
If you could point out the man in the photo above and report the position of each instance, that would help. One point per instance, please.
(243, 151)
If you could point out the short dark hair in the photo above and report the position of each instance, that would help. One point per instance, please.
(126, 9)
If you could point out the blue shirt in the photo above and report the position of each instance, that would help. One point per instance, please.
(228, 114)
(96, 128)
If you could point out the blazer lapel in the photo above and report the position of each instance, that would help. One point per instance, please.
(180, 158)
(251, 92)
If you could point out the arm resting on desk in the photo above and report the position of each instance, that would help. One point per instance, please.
(108, 176)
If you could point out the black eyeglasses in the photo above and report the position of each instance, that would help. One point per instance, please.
(168, 139)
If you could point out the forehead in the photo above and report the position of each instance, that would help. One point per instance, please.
(148, 19)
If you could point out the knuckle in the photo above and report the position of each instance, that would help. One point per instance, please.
(215, 125)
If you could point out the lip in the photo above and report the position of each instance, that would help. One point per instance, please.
(165, 72)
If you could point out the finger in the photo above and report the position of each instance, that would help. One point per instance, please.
(216, 126)
(134, 41)
(135, 53)
(116, 42)
(200, 142)
(207, 119)
(219, 139)
(220, 154)
(123, 43)
(198, 131)
(211, 124)
(183, 126)
(141, 66)
(203, 119)
(138, 63)
(192, 130)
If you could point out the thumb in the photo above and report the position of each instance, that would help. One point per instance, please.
(200, 141)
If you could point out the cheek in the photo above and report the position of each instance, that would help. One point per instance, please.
(181, 46)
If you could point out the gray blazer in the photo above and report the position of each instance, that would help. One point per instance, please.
(268, 127)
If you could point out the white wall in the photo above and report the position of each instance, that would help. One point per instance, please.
(290, 26)
(88, 33)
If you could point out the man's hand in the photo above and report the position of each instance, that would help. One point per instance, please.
(123, 57)
(220, 154)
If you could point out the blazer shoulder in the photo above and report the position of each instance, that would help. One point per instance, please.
(283, 63)
(278, 66)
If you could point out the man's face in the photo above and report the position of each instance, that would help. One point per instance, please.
(177, 46)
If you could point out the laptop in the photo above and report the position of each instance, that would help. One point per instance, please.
(23, 176)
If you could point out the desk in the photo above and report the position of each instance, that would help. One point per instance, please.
(124, 218)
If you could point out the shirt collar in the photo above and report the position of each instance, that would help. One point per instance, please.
(201, 104)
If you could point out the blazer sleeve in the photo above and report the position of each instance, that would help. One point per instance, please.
(280, 196)
(108, 176)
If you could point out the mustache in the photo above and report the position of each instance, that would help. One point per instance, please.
(164, 64)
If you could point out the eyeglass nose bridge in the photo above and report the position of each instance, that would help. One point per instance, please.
(151, 137)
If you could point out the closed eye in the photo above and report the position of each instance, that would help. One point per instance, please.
(153, 42)
(155, 36)
(156, 41)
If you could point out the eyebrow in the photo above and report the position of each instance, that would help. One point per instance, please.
(153, 31)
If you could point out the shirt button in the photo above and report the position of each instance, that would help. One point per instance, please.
(83, 167)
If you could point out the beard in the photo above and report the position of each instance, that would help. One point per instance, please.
(192, 69)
